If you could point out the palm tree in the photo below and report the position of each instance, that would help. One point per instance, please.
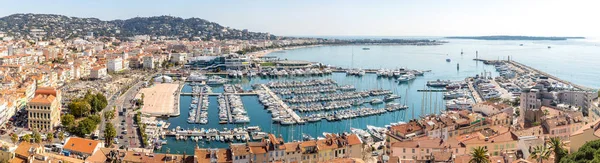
(540, 153)
(479, 155)
(556, 147)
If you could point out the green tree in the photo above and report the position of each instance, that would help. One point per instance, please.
(95, 118)
(49, 137)
(14, 138)
(109, 134)
(109, 114)
(86, 126)
(540, 153)
(26, 137)
(79, 108)
(556, 147)
(61, 135)
(37, 137)
(67, 120)
(589, 152)
(479, 155)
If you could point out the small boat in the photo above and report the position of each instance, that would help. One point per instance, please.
(366, 48)
(406, 77)
(307, 137)
(376, 101)
(390, 97)
(448, 60)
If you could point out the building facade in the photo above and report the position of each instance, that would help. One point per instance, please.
(44, 109)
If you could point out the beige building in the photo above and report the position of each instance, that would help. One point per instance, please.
(423, 148)
(586, 133)
(44, 109)
(495, 141)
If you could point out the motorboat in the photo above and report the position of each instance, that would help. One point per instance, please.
(406, 77)
(390, 97)
(376, 101)
(438, 83)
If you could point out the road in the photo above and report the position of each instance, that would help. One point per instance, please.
(124, 101)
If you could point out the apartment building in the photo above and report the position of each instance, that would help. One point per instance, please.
(44, 109)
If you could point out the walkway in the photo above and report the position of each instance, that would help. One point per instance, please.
(283, 104)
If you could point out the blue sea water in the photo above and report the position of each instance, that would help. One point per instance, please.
(573, 60)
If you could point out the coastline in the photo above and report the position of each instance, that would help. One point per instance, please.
(269, 51)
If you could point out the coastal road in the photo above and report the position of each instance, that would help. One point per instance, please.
(124, 101)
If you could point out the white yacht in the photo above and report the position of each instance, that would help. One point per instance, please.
(406, 77)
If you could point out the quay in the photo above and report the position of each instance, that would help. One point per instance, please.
(294, 116)
(228, 109)
(218, 94)
(531, 69)
(522, 66)
(432, 90)
(476, 95)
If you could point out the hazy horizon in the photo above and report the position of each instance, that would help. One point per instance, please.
(352, 17)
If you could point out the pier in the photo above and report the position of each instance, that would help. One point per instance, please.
(526, 68)
(217, 94)
(522, 66)
(294, 116)
(228, 109)
(475, 93)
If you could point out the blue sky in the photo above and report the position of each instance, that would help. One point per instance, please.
(350, 17)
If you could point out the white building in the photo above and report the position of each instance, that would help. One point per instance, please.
(98, 72)
(115, 65)
(178, 57)
(5, 112)
(148, 62)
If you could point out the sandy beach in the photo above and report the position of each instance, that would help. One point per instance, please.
(265, 52)
(159, 99)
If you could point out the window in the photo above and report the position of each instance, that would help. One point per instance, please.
(403, 150)
(413, 150)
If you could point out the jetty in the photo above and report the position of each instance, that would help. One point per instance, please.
(293, 115)
(522, 66)
(533, 70)
(218, 94)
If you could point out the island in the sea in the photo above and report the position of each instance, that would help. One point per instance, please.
(505, 37)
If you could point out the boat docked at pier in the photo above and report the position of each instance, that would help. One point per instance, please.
(390, 97)
(216, 80)
(377, 132)
(438, 83)
(459, 104)
(406, 78)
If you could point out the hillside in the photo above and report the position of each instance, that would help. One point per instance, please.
(60, 26)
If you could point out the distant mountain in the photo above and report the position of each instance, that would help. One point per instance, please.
(60, 26)
(504, 37)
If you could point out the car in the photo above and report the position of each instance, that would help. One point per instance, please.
(121, 137)
(374, 154)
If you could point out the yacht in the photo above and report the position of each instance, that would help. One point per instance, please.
(390, 97)
(406, 77)
(216, 80)
(438, 83)
(455, 94)
(361, 72)
(376, 132)
(376, 101)
(362, 133)
(459, 104)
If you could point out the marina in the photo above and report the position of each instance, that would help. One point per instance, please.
(306, 103)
